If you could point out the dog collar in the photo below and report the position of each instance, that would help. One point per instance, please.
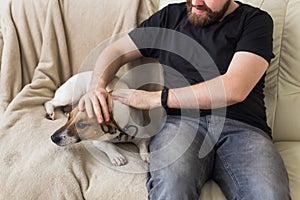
(112, 126)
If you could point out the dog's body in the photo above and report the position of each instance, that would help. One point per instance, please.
(80, 127)
(69, 93)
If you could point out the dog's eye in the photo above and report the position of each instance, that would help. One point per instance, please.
(81, 125)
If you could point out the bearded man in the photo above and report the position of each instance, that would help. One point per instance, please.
(214, 54)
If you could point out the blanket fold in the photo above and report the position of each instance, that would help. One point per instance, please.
(44, 43)
(1, 46)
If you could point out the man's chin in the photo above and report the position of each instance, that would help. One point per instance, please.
(198, 20)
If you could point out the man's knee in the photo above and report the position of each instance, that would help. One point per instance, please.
(170, 183)
(266, 191)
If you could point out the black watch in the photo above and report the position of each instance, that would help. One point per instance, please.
(164, 97)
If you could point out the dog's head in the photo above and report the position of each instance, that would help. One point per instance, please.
(80, 127)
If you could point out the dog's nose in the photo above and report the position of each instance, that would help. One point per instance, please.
(55, 139)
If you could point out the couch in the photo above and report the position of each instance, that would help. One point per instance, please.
(44, 42)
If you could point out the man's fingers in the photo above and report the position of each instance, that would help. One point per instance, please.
(97, 104)
(123, 95)
(139, 99)
(97, 109)
(81, 104)
(104, 108)
(110, 103)
(88, 107)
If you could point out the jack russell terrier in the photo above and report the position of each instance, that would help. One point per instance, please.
(79, 126)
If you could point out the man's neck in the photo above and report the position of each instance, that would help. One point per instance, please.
(232, 6)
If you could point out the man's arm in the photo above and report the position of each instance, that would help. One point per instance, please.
(107, 65)
(234, 86)
(244, 72)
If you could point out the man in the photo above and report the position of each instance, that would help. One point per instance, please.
(216, 124)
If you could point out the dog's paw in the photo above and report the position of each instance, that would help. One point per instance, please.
(50, 115)
(117, 159)
(145, 157)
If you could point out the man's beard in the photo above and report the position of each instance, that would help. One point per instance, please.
(210, 17)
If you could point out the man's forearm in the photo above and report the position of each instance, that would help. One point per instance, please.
(215, 93)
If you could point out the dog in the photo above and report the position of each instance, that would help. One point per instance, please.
(80, 127)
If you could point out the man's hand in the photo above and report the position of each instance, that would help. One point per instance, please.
(97, 102)
(139, 99)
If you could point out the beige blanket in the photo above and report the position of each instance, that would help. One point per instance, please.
(45, 42)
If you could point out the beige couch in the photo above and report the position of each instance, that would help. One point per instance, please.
(45, 42)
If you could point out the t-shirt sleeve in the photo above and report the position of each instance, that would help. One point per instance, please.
(257, 36)
(145, 36)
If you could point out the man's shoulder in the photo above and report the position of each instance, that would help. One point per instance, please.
(252, 12)
(174, 8)
(171, 15)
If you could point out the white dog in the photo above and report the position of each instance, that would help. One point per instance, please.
(79, 126)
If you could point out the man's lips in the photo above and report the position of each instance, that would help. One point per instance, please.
(197, 9)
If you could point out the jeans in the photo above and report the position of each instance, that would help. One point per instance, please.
(240, 158)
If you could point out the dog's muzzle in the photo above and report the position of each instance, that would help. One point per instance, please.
(63, 138)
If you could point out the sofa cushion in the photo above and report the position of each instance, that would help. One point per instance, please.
(211, 191)
(1, 46)
(290, 153)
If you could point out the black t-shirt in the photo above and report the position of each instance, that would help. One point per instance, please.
(191, 54)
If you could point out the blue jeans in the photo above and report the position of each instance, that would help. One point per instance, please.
(240, 158)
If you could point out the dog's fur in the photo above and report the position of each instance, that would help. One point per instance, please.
(80, 127)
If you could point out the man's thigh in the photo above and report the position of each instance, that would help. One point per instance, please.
(176, 172)
(179, 139)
